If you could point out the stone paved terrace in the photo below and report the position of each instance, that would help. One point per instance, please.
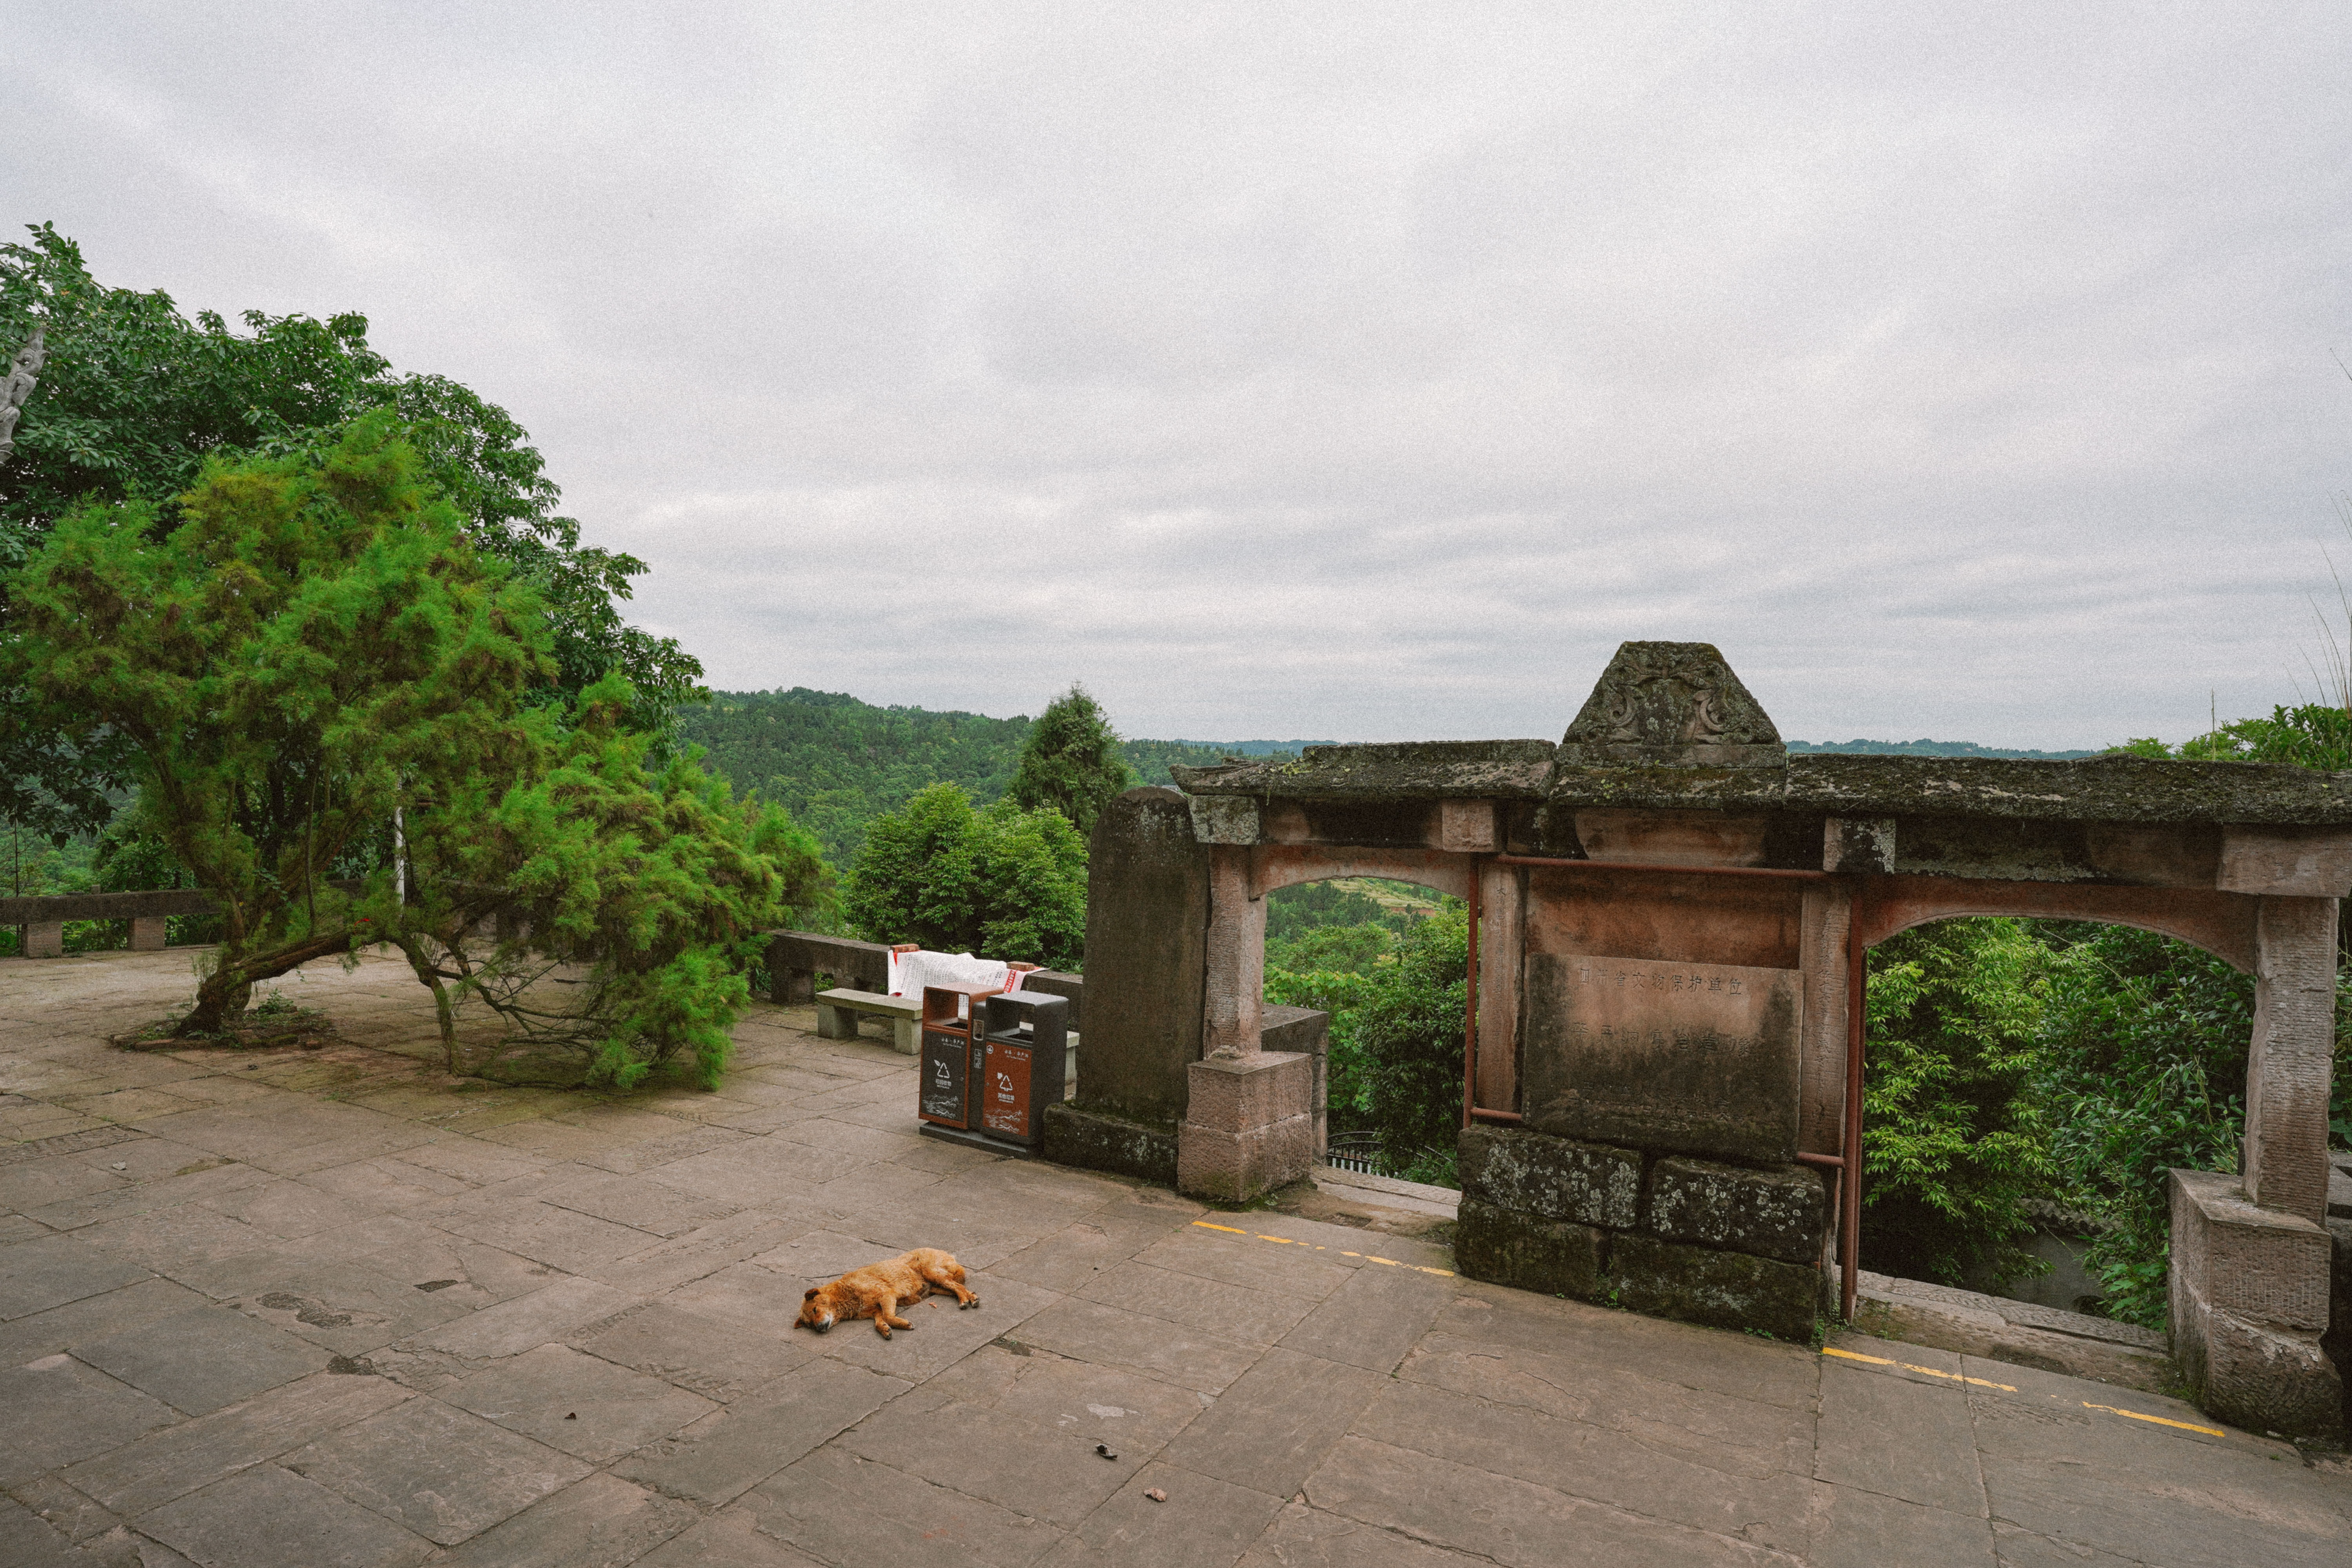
(306, 1308)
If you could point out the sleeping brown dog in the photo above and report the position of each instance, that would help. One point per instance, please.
(879, 1289)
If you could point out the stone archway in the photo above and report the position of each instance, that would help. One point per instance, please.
(1669, 852)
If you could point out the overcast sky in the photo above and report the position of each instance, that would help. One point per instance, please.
(1351, 370)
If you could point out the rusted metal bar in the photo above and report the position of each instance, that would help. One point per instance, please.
(1470, 1009)
(1829, 1161)
(1680, 870)
(1511, 1117)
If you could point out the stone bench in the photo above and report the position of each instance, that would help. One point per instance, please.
(837, 1012)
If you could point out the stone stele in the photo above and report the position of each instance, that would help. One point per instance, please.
(1691, 1057)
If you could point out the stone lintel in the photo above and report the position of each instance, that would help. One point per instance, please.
(2293, 862)
(1672, 837)
(1858, 844)
(1466, 827)
(1224, 819)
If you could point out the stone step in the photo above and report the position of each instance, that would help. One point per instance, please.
(2023, 1334)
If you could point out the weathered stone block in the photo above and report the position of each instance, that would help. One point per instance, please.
(1781, 1213)
(1506, 1248)
(149, 933)
(1722, 1290)
(45, 939)
(1552, 1178)
(1237, 1166)
(2250, 1289)
(1094, 1139)
(2238, 1258)
(2262, 1377)
(1234, 1094)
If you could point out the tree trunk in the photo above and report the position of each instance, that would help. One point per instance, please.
(430, 973)
(221, 999)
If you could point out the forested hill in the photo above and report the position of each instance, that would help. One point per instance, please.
(1930, 749)
(837, 764)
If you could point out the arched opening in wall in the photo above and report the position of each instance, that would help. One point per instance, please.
(1388, 960)
(2026, 1085)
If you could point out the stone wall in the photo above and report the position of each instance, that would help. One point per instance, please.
(1731, 1246)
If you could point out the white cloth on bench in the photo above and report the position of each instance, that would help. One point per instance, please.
(910, 972)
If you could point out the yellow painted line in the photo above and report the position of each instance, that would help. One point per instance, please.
(1294, 1241)
(1908, 1366)
(2160, 1420)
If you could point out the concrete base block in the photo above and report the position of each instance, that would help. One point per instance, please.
(45, 939)
(1528, 1252)
(149, 933)
(1722, 1290)
(2250, 1301)
(1781, 1213)
(1234, 1167)
(1537, 1174)
(1098, 1141)
(2262, 1377)
(1236, 1094)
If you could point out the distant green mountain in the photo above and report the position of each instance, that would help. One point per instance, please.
(1931, 749)
(837, 764)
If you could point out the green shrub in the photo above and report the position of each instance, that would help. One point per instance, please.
(1003, 882)
(1953, 1143)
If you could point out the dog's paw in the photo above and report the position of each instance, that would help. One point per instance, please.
(968, 1306)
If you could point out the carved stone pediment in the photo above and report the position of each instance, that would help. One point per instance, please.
(1675, 704)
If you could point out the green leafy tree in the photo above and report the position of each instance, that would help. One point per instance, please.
(2143, 1069)
(1071, 761)
(1005, 882)
(649, 890)
(1952, 1141)
(136, 397)
(313, 645)
(318, 645)
(1408, 1034)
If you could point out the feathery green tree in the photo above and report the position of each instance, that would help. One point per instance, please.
(1071, 761)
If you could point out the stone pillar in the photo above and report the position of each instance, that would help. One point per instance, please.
(1232, 1023)
(45, 939)
(1502, 943)
(149, 932)
(1828, 914)
(2249, 1297)
(2285, 1161)
(1147, 933)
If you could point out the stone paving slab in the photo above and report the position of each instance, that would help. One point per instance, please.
(336, 1307)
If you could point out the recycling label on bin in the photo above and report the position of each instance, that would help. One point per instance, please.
(1004, 1091)
(945, 1071)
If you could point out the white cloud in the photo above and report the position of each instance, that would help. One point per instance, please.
(1355, 370)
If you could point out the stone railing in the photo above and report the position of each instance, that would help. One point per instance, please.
(44, 918)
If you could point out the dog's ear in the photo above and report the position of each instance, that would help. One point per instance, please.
(810, 1296)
